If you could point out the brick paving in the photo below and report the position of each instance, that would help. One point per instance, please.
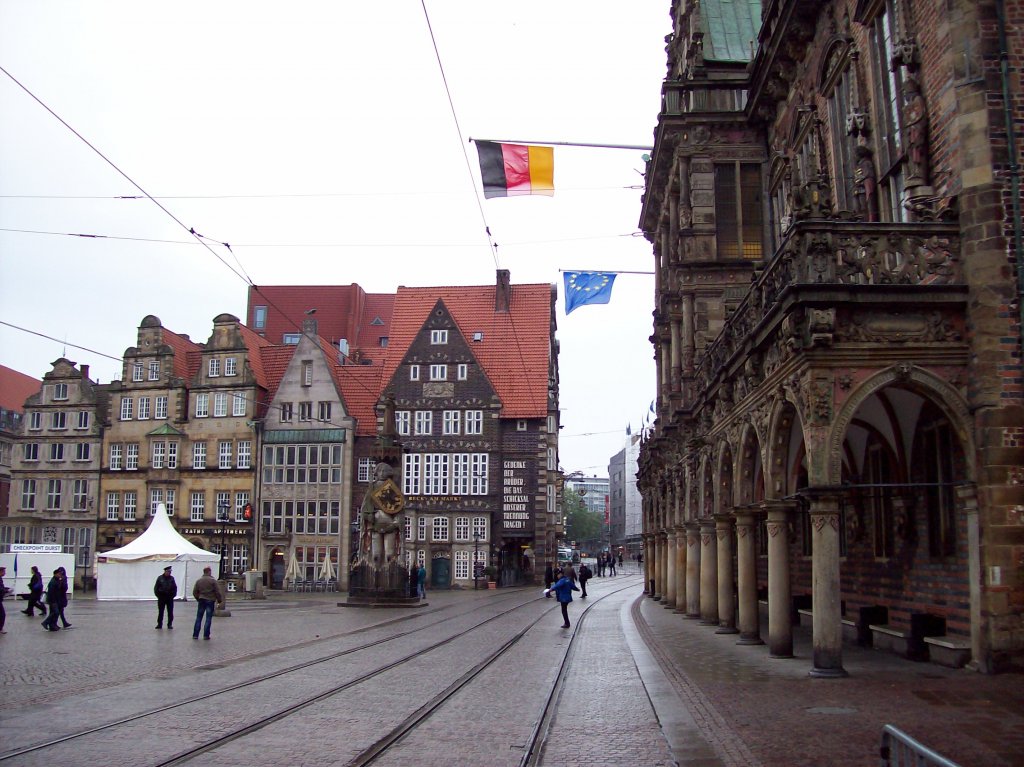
(692, 697)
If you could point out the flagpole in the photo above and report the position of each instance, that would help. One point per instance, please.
(600, 271)
(567, 143)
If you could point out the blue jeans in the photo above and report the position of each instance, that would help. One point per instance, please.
(205, 607)
(421, 592)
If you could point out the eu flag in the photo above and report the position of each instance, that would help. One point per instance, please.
(587, 288)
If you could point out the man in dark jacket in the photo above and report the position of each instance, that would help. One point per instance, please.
(35, 593)
(57, 599)
(585, 575)
(3, 593)
(165, 589)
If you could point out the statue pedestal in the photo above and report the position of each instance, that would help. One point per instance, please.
(380, 586)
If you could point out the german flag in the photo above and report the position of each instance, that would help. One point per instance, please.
(511, 169)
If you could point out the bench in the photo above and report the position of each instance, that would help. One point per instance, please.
(890, 638)
(950, 651)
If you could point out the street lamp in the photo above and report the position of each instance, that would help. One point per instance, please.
(222, 517)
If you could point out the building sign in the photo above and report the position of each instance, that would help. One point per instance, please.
(38, 548)
(515, 500)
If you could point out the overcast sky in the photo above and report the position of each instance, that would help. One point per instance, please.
(318, 140)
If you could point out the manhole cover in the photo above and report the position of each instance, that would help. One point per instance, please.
(831, 710)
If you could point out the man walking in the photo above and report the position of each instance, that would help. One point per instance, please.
(165, 589)
(421, 582)
(57, 599)
(35, 593)
(585, 575)
(207, 594)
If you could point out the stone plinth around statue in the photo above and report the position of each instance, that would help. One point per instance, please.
(385, 585)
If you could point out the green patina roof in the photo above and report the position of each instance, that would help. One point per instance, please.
(303, 436)
(730, 28)
(166, 430)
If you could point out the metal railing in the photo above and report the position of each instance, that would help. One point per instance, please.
(900, 750)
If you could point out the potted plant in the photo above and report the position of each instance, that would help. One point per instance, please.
(492, 574)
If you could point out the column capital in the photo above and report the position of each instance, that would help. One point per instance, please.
(747, 516)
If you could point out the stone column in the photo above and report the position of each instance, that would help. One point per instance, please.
(746, 576)
(659, 583)
(681, 547)
(708, 573)
(726, 595)
(676, 354)
(669, 598)
(825, 592)
(780, 600)
(688, 330)
(648, 565)
(692, 570)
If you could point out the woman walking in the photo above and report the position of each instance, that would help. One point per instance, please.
(563, 592)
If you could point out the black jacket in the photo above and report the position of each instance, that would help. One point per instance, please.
(165, 586)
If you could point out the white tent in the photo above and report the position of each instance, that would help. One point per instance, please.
(130, 571)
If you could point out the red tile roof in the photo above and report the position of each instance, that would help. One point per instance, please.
(360, 387)
(515, 347)
(15, 388)
(181, 346)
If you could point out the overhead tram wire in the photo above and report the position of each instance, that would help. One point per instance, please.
(191, 230)
(469, 171)
(123, 174)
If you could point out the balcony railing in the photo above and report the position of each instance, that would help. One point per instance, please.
(839, 253)
(680, 97)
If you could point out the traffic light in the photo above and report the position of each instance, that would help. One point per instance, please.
(247, 512)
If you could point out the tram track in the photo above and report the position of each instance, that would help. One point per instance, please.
(534, 746)
(291, 669)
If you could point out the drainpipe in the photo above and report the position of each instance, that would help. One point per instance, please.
(1011, 148)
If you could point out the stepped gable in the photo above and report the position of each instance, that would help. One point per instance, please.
(15, 388)
(514, 345)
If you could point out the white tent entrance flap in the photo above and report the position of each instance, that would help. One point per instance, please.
(131, 571)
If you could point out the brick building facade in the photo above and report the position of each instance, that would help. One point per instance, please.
(833, 202)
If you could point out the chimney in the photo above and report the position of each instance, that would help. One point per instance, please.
(503, 291)
(309, 326)
(85, 372)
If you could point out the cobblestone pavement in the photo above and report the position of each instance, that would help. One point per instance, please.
(644, 686)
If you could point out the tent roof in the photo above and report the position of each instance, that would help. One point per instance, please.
(160, 542)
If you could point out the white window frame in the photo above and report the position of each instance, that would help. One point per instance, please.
(113, 506)
(160, 407)
(461, 565)
(126, 408)
(131, 503)
(230, 366)
(439, 529)
(80, 495)
(421, 528)
(480, 526)
(213, 370)
(461, 529)
(412, 477)
(423, 422)
(438, 337)
(403, 419)
(323, 411)
(154, 370)
(54, 491)
(220, 404)
(479, 465)
(58, 420)
(60, 392)
(131, 456)
(225, 451)
(238, 404)
(142, 414)
(451, 422)
(244, 454)
(56, 452)
(83, 419)
(158, 454)
(172, 455)
(414, 372)
(364, 471)
(198, 455)
(197, 506)
(137, 371)
(116, 457)
(35, 421)
(28, 494)
(305, 411)
(438, 372)
(460, 474)
(203, 405)
(462, 371)
(156, 497)
(30, 451)
(83, 451)
(436, 473)
(474, 422)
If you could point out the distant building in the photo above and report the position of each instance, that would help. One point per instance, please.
(594, 492)
(55, 470)
(625, 499)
